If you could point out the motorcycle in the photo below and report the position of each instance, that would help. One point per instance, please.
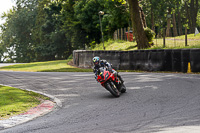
(110, 82)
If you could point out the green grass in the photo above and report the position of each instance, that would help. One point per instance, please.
(14, 101)
(178, 42)
(117, 45)
(171, 43)
(47, 66)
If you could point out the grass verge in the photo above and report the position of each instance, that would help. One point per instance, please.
(15, 101)
(47, 66)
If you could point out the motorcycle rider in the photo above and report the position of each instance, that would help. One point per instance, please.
(103, 63)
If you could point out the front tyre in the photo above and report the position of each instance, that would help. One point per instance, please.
(112, 89)
(123, 88)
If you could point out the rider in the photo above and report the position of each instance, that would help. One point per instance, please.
(103, 63)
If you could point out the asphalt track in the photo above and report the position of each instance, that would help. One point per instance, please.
(154, 103)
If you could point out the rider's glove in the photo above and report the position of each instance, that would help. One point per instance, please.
(96, 78)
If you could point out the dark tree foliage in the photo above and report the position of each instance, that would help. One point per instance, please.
(38, 30)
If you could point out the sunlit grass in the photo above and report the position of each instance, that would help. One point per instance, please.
(47, 66)
(170, 43)
(116, 45)
(178, 42)
(14, 101)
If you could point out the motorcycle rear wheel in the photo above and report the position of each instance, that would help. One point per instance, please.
(112, 89)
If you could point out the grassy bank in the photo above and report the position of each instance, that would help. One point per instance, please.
(47, 66)
(14, 101)
(171, 43)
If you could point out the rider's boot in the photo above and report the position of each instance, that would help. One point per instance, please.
(123, 89)
(120, 78)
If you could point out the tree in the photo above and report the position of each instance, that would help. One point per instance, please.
(17, 31)
(138, 28)
(51, 33)
(116, 15)
(194, 5)
(38, 35)
(179, 7)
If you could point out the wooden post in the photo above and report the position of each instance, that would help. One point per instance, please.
(125, 34)
(114, 36)
(118, 33)
(164, 38)
(128, 33)
(156, 40)
(121, 34)
(186, 36)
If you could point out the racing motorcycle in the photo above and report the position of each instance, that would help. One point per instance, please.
(110, 82)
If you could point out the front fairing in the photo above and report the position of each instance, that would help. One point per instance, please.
(103, 75)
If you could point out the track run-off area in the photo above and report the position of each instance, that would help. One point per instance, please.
(154, 103)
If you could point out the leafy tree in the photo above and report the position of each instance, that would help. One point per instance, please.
(76, 35)
(116, 15)
(50, 31)
(86, 12)
(37, 35)
(17, 31)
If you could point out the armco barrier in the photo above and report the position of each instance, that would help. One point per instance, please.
(132, 56)
(195, 60)
(168, 60)
(185, 59)
(125, 60)
(156, 60)
(141, 60)
(176, 60)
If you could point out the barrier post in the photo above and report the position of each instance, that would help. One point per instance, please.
(189, 68)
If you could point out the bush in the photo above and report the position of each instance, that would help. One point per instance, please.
(150, 34)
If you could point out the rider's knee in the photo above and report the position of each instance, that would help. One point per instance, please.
(115, 73)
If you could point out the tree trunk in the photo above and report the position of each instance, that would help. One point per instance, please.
(138, 29)
(142, 17)
(174, 25)
(179, 24)
(196, 9)
(193, 11)
(168, 27)
(188, 14)
(152, 20)
(168, 23)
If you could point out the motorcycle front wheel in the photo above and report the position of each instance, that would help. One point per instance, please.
(112, 89)
(123, 88)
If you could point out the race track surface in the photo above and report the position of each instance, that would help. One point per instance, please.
(154, 103)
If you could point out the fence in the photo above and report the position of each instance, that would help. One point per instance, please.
(175, 60)
(164, 38)
(123, 34)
